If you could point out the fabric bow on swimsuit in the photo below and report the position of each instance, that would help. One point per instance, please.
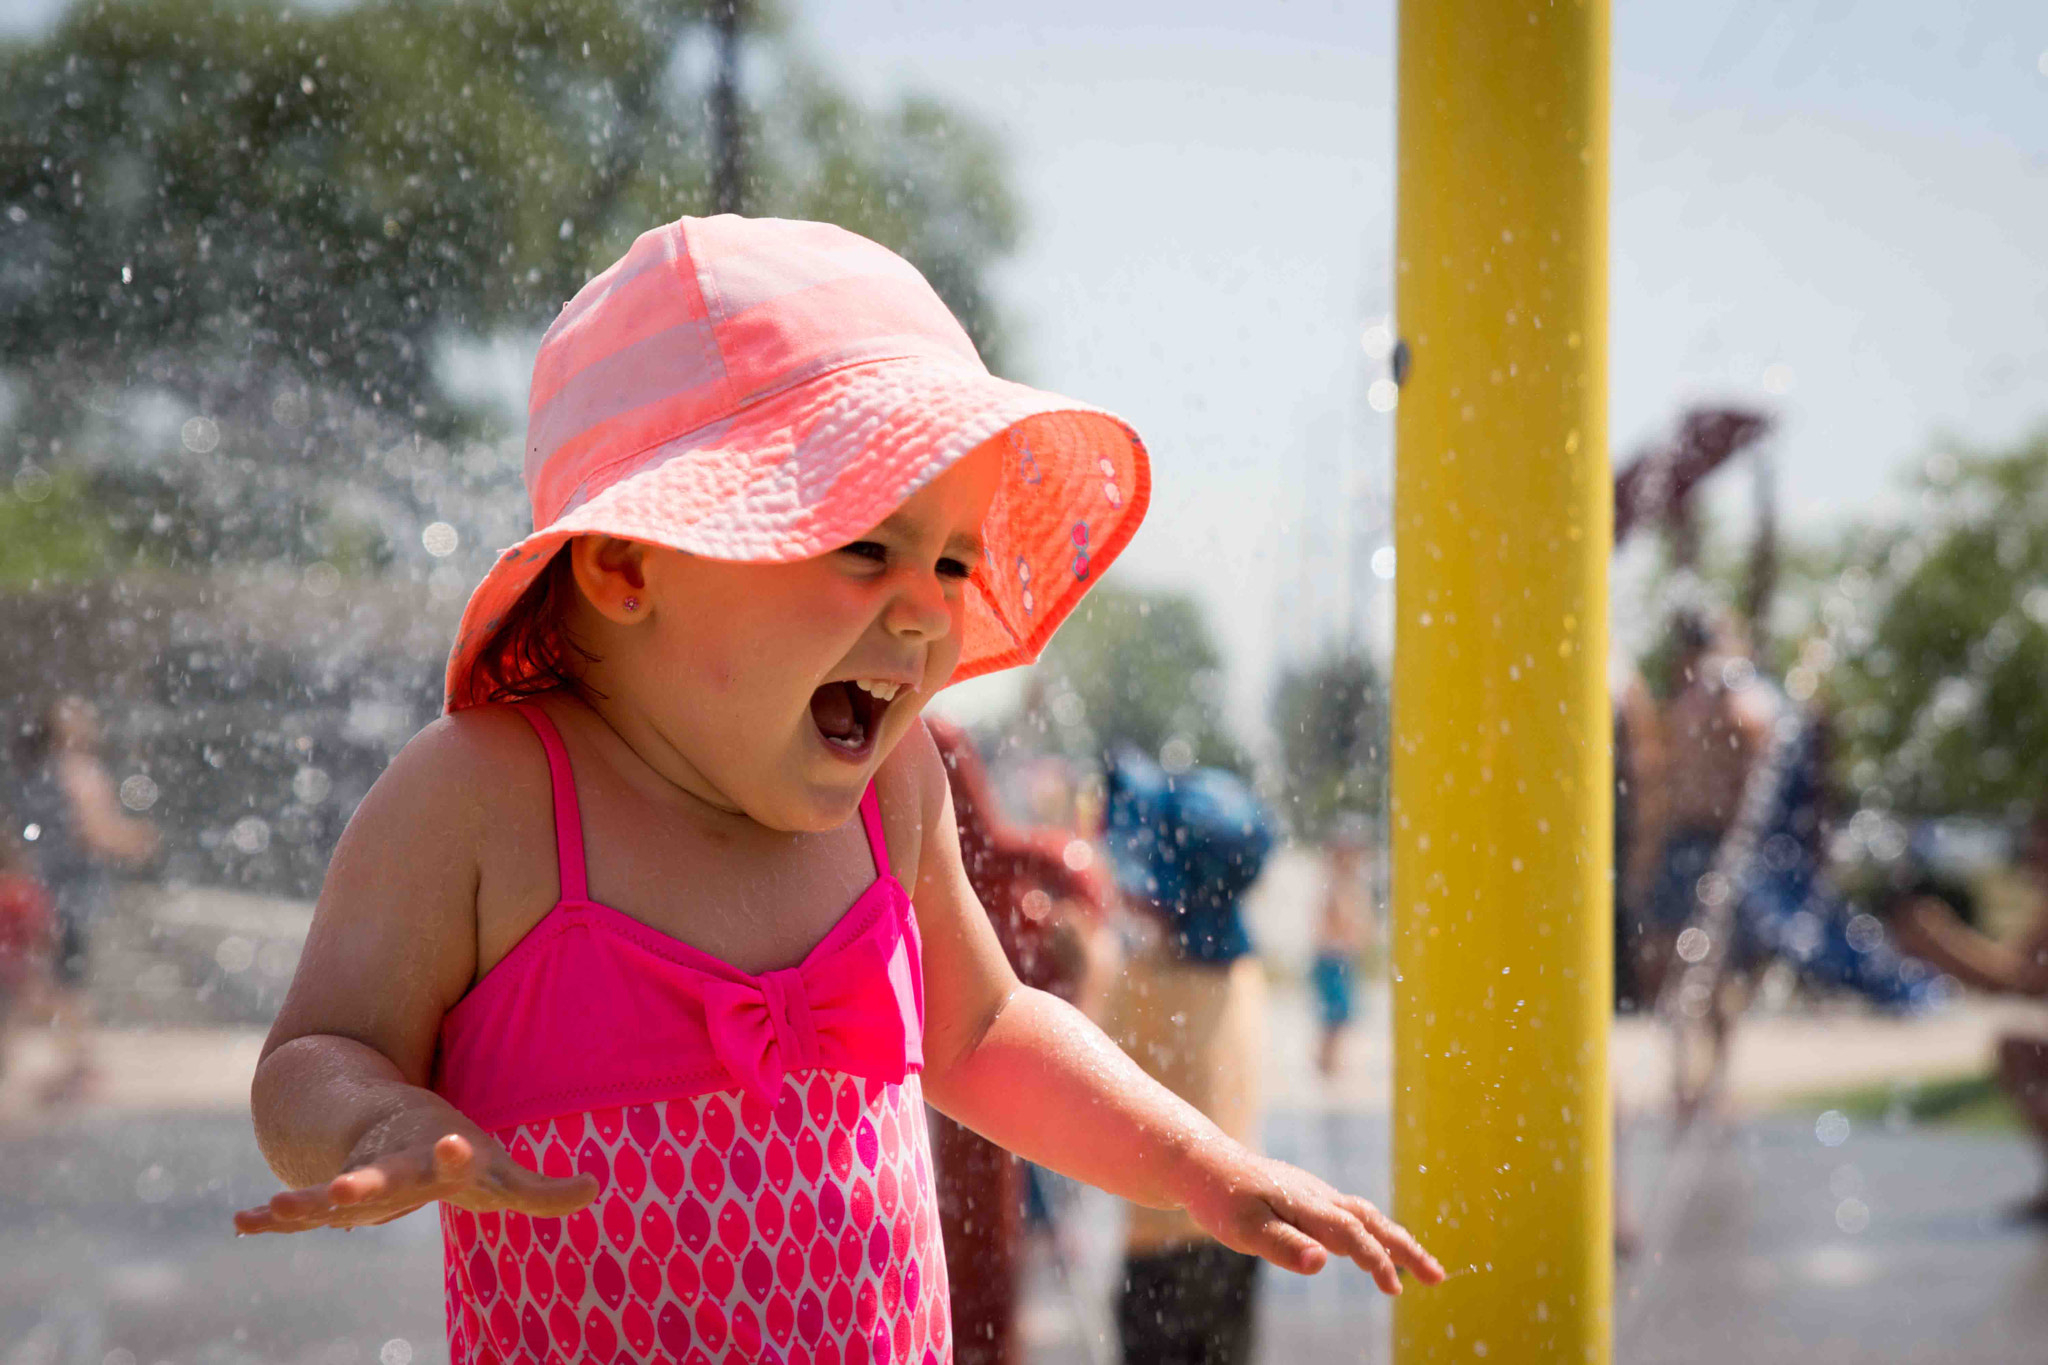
(841, 1010)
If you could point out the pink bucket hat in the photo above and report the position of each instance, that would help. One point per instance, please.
(762, 390)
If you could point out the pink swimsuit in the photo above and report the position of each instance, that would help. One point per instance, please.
(760, 1141)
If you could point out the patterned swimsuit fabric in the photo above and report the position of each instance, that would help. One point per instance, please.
(759, 1139)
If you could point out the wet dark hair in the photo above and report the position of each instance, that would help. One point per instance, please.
(1691, 632)
(532, 651)
(35, 739)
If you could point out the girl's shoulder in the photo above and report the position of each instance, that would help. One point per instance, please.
(462, 770)
(478, 743)
(911, 789)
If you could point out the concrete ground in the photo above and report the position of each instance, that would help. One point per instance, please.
(1761, 1243)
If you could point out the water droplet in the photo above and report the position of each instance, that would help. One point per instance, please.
(154, 1185)
(32, 484)
(322, 579)
(311, 785)
(251, 834)
(235, 954)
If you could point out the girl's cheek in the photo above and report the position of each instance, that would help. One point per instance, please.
(940, 663)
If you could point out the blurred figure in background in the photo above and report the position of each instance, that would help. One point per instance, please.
(1637, 763)
(1184, 849)
(1727, 865)
(1926, 924)
(28, 937)
(1049, 907)
(1690, 754)
(1345, 928)
(77, 832)
(1712, 727)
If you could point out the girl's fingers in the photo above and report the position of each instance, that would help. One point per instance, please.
(1326, 1216)
(290, 1211)
(545, 1196)
(376, 1193)
(453, 1158)
(1399, 1242)
(357, 1186)
(454, 1169)
(260, 1219)
(1342, 1232)
(1284, 1244)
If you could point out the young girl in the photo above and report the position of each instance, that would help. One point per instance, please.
(644, 959)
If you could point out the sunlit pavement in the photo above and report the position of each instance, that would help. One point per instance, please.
(1892, 1247)
(115, 1246)
(1761, 1243)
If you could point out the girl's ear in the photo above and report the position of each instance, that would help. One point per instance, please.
(611, 574)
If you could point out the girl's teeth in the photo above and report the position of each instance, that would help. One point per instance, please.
(884, 690)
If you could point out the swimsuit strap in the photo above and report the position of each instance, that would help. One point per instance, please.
(871, 817)
(568, 816)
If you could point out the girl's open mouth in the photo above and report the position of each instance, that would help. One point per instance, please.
(849, 714)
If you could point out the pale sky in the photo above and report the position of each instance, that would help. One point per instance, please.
(1855, 194)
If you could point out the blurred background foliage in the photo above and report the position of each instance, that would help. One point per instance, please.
(271, 276)
(240, 239)
(1330, 721)
(1141, 667)
(1941, 627)
(255, 256)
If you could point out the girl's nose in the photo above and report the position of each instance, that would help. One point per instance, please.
(919, 610)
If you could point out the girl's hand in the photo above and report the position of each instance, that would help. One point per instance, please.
(471, 1173)
(1268, 1208)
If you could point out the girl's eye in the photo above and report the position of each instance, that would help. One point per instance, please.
(953, 568)
(867, 549)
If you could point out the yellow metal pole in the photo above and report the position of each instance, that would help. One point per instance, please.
(1502, 824)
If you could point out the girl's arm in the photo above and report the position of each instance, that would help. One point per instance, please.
(1031, 1073)
(340, 1099)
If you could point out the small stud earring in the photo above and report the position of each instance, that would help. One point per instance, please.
(632, 604)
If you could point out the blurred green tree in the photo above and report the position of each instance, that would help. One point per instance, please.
(1330, 716)
(1940, 634)
(272, 221)
(1141, 668)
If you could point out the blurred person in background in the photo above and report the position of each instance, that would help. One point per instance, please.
(28, 937)
(77, 832)
(1691, 752)
(1709, 728)
(1049, 906)
(1184, 849)
(1926, 922)
(1727, 838)
(1636, 758)
(1345, 928)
